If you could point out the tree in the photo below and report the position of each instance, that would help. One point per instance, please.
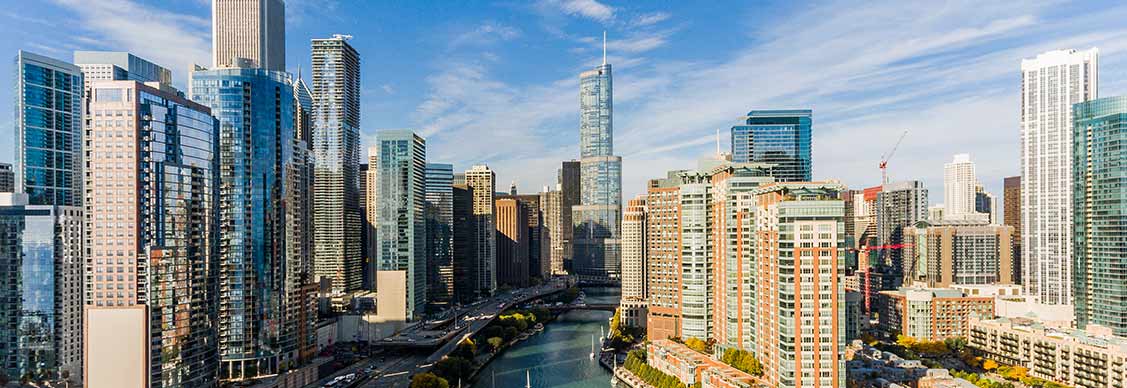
(495, 343)
(989, 365)
(465, 349)
(742, 360)
(428, 380)
(697, 344)
(454, 368)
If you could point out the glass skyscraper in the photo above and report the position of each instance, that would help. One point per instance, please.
(336, 157)
(261, 196)
(597, 218)
(400, 190)
(1099, 209)
(48, 130)
(440, 229)
(779, 137)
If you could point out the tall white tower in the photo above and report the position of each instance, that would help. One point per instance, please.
(1050, 84)
(958, 187)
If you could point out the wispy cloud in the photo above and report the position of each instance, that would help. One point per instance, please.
(590, 9)
(170, 39)
(649, 19)
(486, 33)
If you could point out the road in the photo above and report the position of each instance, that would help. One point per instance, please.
(396, 372)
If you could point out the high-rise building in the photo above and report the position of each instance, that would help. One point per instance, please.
(368, 219)
(931, 314)
(464, 241)
(48, 110)
(959, 181)
(538, 239)
(249, 29)
(440, 231)
(634, 249)
(336, 156)
(512, 242)
(798, 317)
(263, 191)
(483, 183)
(598, 217)
(151, 314)
(570, 191)
(400, 199)
(119, 66)
(7, 178)
(899, 205)
(1050, 84)
(663, 257)
(779, 137)
(303, 111)
(41, 285)
(1011, 193)
(944, 254)
(551, 206)
(986, 205)
(1100, 211)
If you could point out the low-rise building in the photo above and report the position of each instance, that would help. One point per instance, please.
(1011, 302)
(1091, 358)
(632, 312)
(930, 313)
(941, 378)
(690, 367)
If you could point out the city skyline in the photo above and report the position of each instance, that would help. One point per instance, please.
(651, 47)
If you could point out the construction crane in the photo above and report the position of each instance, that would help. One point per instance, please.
(884, 160)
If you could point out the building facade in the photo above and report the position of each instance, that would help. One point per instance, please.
(899, 205)
(779, 137)
(118, 66)
(440, 231)
(7, 178)
(1011, 193)
(539, 241)
(947, 254)
(598, 216)
(634, 249)
(959, 182)
(570, 191)
(49, 117)
(336, 155)
(464, 243)
(512, 243)
(249, 29)
(931, 314)
(263, 186)
(551, 206)
(1100, 213)
(663, 258)
(483, 183)
(400, 199)
(1051, 83)
(1075, 358)
(151, 239)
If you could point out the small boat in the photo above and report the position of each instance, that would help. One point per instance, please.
(592, 347)
(527, 380)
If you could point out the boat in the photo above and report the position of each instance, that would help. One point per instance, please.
(527, 380)
(592, 347)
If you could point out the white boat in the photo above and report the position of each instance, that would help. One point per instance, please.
(527, 380)
(592, 347)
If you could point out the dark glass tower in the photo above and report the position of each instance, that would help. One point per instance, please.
(779, 137)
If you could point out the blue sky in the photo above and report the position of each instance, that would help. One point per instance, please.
(497, 82)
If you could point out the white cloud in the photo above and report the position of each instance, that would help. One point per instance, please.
(486, 33)
(650, 19)
(387, 88)
(173, 40)
(591, 9)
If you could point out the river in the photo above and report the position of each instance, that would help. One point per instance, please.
(560, 356)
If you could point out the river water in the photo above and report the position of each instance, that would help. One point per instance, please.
(560, 356)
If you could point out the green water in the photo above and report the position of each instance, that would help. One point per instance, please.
(558, 357)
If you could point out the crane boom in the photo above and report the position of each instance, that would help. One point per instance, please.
(886, 157)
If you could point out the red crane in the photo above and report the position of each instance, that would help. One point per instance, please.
(885, 158)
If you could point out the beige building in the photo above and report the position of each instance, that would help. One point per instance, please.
(946, 254)
(512, 243)
(249, 29)
(663, 258)
(634, 248)
(1077, 358)
(551, 207)
(483, 181)
(931, 314)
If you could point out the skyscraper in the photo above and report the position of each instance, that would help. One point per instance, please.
(440, 231)
(780, 137)
(7, 178)
(262, 195)
(570, 191)
(1050, 84)
(552, 252)
(1011, 191)
(303, 111)
(538, 238)
(598, 217)
(400, 199)
(41, 285)
(899, 205)
(985, 205)
(249, 29)
(368, 218)
(634, 249)
(1100, 210)
(48, 130)
(118, 66)
(151, 239)
(466, 278)
(482, 182)
(663, 257)
(512, 242)
(336, 155)
(959, 182)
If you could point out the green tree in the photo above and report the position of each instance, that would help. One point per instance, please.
(495, 343)
(454, 368)
(466, 349)
(697, 344)
(428, 380)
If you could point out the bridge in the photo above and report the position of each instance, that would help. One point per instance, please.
(584, 306)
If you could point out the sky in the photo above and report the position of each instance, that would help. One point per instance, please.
(497, 82)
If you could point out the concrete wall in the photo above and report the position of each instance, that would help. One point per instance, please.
(116, 347)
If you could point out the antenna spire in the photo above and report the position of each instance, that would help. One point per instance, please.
(718, 156)
(604, 47)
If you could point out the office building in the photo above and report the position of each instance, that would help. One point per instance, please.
(930, 314)
(482, 181)
(539, 241)
(151, 314)
(598, 216)
(634, 249)
(551, 206)
(1011, 193)
(41, 284)
(7, 178)
(663, 257)
(570, 191)
(947, 254)
(986, 205)
(959, 182)
(512, 243)
(303, 111)
(336, 156)
(368, 219)
(899, 205)
(400, 199)
(118, 66)
(254, 30)
(464, 242)
(779, 137)
(263, 187)
(1100, 213)
(48, 110)
(1076, 358)
(1050, 84)
(856, 321)
(439, 229)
